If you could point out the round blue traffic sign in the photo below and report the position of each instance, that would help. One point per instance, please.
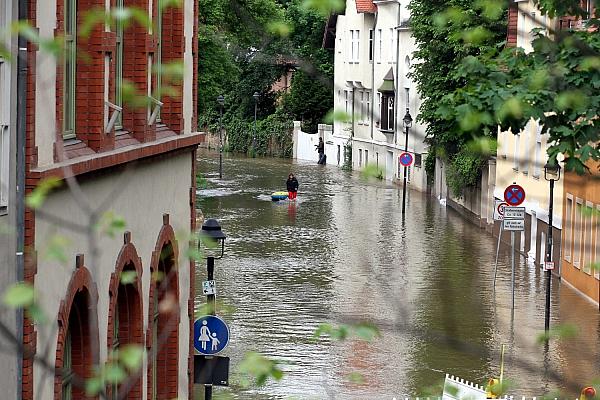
(514, 195)
(406, 159)
(211, 335)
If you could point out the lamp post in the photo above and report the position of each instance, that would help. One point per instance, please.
(212, 235)
(407, 121)
(551, 174)
(256, 97)
(221, 101)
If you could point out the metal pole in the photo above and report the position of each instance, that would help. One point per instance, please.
(497, 253)
(549, 256)
(512, 264)
(405, 173)
(210, 301)
(221, 144)
(254, 135)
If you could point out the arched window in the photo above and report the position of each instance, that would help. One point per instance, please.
(126, 328)
(77, 344)
(125, 317)
(164, 314)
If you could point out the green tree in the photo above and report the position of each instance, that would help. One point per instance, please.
(447, 32)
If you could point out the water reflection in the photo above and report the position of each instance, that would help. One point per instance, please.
(342, 253)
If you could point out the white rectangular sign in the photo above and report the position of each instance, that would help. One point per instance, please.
(514, 212)
(514, 224)
(548, 265)
(209, 288)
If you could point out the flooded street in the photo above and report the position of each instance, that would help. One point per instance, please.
(343, 254)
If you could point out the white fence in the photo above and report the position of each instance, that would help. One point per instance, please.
(456, 388)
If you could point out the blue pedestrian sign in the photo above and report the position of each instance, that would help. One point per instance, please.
(211, 335)
(406, 159)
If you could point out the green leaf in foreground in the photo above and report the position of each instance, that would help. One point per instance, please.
(260, 368)
(19, 295)
(564, 331)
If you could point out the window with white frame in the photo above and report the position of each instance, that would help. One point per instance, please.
(361, 107)
(568, 224)
(524, 162)
(368, 107)
(354, 46)
(346, 102)
(380, 52)
(597, 244)
(360, 157)
(366, 157)
(4, 123)
(392, 45)
(378, 108)
(387, 111)
(517, 138)
(351, 46)
(577, 233)
(371, 44)
(587, 256)
(537, 161)
(70, 67)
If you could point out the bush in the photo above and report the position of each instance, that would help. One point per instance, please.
(464, 170)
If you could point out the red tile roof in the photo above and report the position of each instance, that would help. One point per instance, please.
(365, 6)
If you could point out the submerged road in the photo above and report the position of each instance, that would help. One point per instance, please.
(343, 254)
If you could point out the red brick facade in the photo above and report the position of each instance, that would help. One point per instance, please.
(96, 153)
(126, 298)
(78, 314)
(164, 290)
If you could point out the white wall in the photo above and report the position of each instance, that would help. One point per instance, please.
(145, 194)
(354, 77)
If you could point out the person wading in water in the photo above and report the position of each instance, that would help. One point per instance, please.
(292, 186)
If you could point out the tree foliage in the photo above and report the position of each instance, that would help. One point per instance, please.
(248, 46)
(447, 32)
(491, 86)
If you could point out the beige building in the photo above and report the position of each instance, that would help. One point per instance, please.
(521, 157)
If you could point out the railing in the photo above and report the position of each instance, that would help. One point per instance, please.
(113, 117)
(157, 106)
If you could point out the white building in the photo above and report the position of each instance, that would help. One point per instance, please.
(373, 89)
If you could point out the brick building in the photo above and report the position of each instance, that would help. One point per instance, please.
(581, 232)
(135, 160)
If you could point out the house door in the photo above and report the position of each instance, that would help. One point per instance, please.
(533, 239)
(389, 166)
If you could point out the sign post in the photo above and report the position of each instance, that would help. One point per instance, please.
(514, 220)
(499, 207)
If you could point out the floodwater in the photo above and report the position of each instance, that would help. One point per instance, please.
(343, 254)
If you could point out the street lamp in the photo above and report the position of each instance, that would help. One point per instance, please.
(256, 97)
(221, 101)
(551, 174)
(407, 120)
(211, 236)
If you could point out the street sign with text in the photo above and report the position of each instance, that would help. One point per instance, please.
(514, 213)
(514, 225)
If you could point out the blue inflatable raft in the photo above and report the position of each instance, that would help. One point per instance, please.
(279, 196)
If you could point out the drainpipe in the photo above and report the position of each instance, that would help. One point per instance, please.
(373, 83)
(397, 95)
(20, 200)
(373, 76)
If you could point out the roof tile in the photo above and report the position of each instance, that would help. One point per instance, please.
(365, 6)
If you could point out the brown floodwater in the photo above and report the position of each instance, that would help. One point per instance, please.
(343, 254)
